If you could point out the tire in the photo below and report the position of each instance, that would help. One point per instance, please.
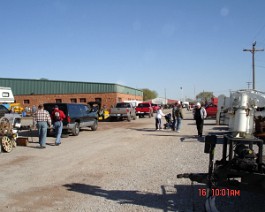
(95, 125)
(76, 129)
(64, 135)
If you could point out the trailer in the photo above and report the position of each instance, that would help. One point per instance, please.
(6, 95)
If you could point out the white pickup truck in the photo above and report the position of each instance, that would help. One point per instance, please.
(122, 110)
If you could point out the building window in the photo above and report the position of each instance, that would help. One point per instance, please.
(73, 100)
(83, 100)
(26, 101)
(58, 100)
(98, 99)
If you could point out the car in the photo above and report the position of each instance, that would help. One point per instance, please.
(155, 107)
(122, 110)
(77, 116)
(211, 110)
(143, 109)
(103, 113)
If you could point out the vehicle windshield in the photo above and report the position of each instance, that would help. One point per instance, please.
(122, 105)
(143, 105)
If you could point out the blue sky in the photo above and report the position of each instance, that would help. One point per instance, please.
(157, 44)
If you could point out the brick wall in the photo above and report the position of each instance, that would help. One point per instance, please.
(108, 99)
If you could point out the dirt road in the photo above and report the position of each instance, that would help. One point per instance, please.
(123, 166)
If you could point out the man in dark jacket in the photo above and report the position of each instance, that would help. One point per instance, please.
(177, 116)
(199, 116)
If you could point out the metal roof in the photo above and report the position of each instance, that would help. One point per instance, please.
(44, 86)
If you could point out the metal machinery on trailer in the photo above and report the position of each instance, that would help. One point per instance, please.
(241, 166)
(9, 122)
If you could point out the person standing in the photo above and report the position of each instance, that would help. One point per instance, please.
(41, 120)
(34, 109)
(177, 116)
(174, 117)
(159, 115)
(57, 118)
(199, 115)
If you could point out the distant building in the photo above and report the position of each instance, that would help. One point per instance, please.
(29, 92)
(162, 101)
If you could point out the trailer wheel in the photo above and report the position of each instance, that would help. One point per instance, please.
(7, 144)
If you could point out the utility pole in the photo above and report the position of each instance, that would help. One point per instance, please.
(181, 90)
(249, 83)
(253, 50)
(165, 96)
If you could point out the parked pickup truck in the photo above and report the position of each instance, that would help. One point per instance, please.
(144, 109)
(122, 110)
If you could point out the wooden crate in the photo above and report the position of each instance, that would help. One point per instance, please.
(22, 141)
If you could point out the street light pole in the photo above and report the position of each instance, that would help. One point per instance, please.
(181, 99)
(253, 50)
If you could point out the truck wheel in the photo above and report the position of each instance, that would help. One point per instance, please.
(95, 125)
(76, 129)
(65, 134)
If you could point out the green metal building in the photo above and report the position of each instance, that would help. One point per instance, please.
(65, 91)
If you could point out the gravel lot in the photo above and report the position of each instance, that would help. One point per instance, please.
(123, 166)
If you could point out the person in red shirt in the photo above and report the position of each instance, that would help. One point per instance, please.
(57, 118)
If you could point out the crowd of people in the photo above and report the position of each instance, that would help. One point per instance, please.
(42, 120)
(199, 115)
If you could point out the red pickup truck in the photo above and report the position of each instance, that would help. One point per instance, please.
(155, 107)
(144, 109)
(211, 108)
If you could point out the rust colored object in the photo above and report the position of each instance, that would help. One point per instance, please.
(22, 141)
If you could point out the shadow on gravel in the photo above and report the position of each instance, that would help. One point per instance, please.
(209, 124)
(221, 128)
(175, 198)
(172, 198)
(143, 129)
(200, 139)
